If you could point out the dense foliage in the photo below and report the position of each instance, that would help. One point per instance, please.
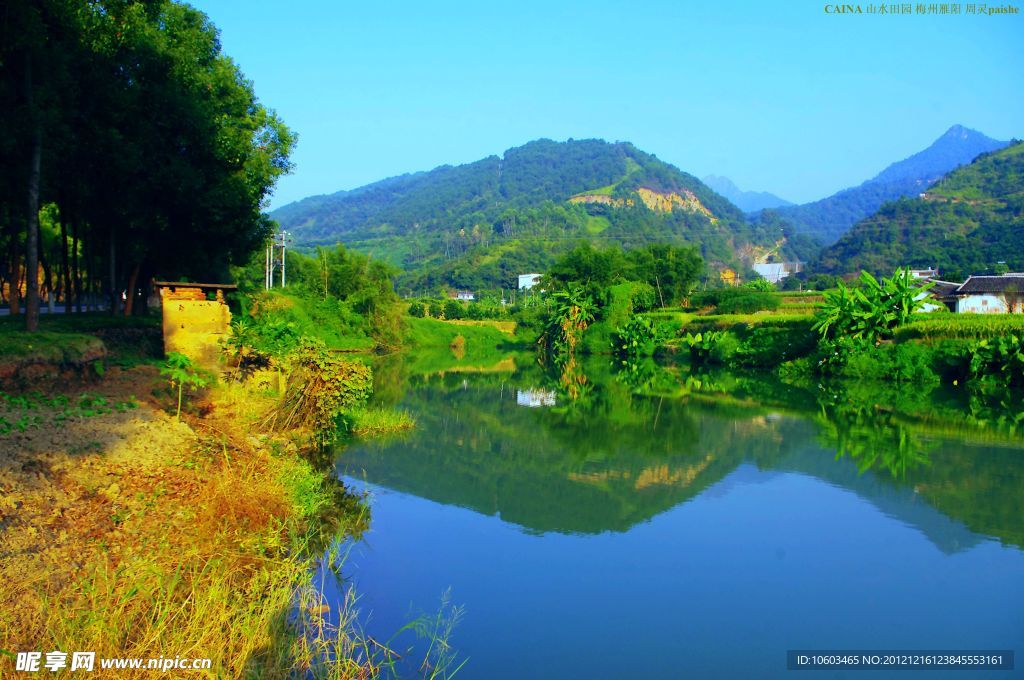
(670, 272)
(337, 294)
(142, 141)
(320, 385)
(871, 311)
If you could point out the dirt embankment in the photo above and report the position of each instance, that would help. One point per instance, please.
(83, 476)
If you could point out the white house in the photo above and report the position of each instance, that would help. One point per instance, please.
(773, 272)
(465, 295)
(528, 281)
(991, 294)
(927, 273)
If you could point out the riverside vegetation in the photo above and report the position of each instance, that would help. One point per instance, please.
(130, 531)
(194, 538)
(254, 511)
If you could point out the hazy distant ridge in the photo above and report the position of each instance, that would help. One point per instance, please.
(747, 201)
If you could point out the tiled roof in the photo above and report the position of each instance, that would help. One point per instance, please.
(992, 284)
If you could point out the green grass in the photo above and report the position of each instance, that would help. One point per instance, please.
(432, 346)
(724, 321)
(52, 347)
(378, 421)
(597, 223)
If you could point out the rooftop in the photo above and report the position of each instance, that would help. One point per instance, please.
(1008, 283)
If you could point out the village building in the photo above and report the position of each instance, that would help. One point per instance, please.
(925, 274)
(773, 272)
(991, 294)
(528, 281)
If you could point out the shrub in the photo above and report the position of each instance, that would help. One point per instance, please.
(452, 310)
(873, 311)
(458, 346)
(1000, 359)
(769, 345)
(416, 309)
(263, 335)
(734, 301)
(908, 363)
(180, 371)
(634, 339)
(642, 296)
(319, 386)
(747, 303)
(711, 347)
(434, 309)
(474, 312)
(762, 285)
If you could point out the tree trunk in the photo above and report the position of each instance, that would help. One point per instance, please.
(32, 207)
(64, 269)
(132, 280)
(75, 264)
(15, 273)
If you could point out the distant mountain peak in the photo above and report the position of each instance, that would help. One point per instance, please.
(959, 131)
(747, 201)
(957, 146)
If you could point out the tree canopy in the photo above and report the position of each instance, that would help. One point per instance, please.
(147, 139)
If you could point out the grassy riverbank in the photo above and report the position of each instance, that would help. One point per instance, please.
(128, 533)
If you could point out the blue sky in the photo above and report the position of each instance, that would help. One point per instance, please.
(778, 96)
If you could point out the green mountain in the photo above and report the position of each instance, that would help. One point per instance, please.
(481, 224)
(831, 217)
(970, 222)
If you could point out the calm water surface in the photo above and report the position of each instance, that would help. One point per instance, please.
(600, 533)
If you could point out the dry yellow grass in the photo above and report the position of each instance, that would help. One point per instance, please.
(197, 549)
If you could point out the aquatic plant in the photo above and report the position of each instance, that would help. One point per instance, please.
(634, 339)
(999, 359)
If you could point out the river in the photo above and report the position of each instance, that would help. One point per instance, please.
(657, 524)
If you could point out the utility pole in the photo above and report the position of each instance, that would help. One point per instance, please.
(276, 251)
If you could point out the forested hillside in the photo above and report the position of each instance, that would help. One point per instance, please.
(970, 222)
(482, 223)
(830, 217)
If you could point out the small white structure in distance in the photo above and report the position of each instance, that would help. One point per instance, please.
(773, 272)
(528, 281)
(928, 273)
(535, 398)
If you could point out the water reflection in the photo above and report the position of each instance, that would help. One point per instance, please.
(614, 447)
